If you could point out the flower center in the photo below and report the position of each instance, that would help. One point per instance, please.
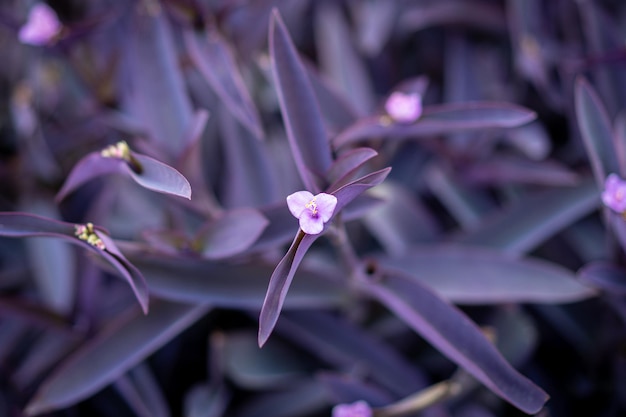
(312, 206)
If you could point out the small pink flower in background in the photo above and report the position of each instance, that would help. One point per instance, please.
(404, 108)
(357, 409)
(42, 26)
(312, 211)
(614, 194)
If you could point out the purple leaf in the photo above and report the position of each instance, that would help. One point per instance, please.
(339, 59)
(28, 225)
(595, 129)
(206, 401)
(605, 276)
(249, 367)
(235, 286)
(157, 96)
(215, 61)
(467, 275)
(535, 218)
(467, 13)
(375, 22)
(232, 233)
(504, 169)
(154, 175)
(347, 164)
(279, 284)
(439, 120)
(348, 390)
(111, 353)
(347, 193)
(299, 107)
(455, 336)
(302, 399)
(249, 178)
(345, 345)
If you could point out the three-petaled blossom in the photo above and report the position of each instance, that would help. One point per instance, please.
(41, 27)
(357, 409)
(404, 108)
(312, 211)
(614, 194)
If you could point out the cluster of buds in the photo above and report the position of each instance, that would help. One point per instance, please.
(86, 232)
(120, 151)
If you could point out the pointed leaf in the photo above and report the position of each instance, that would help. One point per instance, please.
(279, 284)
(232, 233)
(111, 353)
(532, 220)
(455, 336)
(347, 164)
(28, 225)
(605, 276)
(347, 193)
(159, 177)
(299, 107)
(596, 132)
(157, 96)
(467, 275)
(154, 175)
(215, 61)
(439, 120)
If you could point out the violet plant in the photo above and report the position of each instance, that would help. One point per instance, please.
(451, 176)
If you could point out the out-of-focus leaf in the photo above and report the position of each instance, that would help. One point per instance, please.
(604, 276)
(399, 221)
(339, 59)
(300, 109)
(142, 393)
(455, 336)
(531, 139)
(620, 142)
(336, 109)
(28, 225)
(503, 169)
(271, 367)
(527, 223)
(347, 193)
(154, 175)
(240, 286)
(439, 120)
(157, 96)
(299, 400)
(595, 129)
(249, 178)
(375, 22)
(345, 390)
(52, 262)
(468, 275)
(339, 342)
(516, 335)
(347, 164)
(111, 353)
(206, 401)
(215, 61)
(476, 14)
(232, 233)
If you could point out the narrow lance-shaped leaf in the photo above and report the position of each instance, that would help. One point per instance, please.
(596, 132)
(111, 353)
(299, 107)
(144, 170)
(455, 336)
(232, 233)
(469, 275)
(28, 225)
(439, 120)
(605, 276)
(283, 274)
(215, 61)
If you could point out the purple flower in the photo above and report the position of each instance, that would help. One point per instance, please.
(41, 27)
(614, 194)
(357, 409)
(404, 108)
(312, 211)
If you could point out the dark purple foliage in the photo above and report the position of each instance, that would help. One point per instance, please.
(453, 156)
